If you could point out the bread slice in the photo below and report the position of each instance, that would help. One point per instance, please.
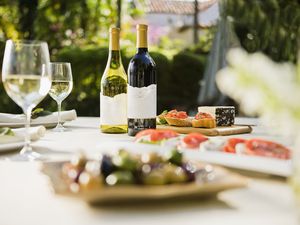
(205, 123)
(179, 122)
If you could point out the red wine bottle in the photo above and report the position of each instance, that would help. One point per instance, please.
(141, 90)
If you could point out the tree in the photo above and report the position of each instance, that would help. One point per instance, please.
(196, 36)
(28, 13)
(119, 10)
(270, 26)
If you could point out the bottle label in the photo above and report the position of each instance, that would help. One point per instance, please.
(141, 102)
(113, 110)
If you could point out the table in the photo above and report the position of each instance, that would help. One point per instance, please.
(25, 196)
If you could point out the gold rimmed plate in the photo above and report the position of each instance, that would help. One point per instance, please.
(223, 180)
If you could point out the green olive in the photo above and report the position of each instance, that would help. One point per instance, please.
(124, 161)
(175, 157)
(151, 158)
(174, 174)
(120, 177)
(155, 177)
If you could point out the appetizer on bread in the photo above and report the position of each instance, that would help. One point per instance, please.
(178, 118)
(204, 120)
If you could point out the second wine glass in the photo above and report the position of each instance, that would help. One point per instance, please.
(62, 84)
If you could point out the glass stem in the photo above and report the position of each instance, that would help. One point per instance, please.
(27, 148)
(58, 113)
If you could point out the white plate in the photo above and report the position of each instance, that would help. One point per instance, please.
(243, 162)
(11, 146)
(17, 125)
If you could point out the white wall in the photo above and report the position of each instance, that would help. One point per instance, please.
(168, 24)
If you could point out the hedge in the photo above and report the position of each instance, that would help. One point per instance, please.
(178, 80)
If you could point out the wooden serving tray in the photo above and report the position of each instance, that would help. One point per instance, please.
(218, 131)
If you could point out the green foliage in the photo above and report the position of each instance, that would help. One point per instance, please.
(164, 67)
(64, 23)
(88, 65)
(205, 42)
(6, 104)
(187, 71)
(270, 26)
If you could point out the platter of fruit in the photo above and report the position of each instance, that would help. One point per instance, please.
(211, 121)
(125, 175)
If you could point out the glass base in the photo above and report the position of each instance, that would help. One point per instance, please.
(59, 128)
(26, 154)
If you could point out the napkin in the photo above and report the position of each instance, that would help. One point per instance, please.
(52, 118)
(19, 134)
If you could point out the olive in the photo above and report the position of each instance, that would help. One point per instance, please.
(154, 177)
(88, 181)
(151, 157)
(174, 156)
(120, 177)
(125, 162)
(190, 170)
(93, 167)
(174, 174)
(107, 166)
(79, 161)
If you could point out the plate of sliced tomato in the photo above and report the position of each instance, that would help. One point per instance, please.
(254, 154)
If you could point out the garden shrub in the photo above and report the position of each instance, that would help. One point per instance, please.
(6, 104)
(88, 65)
(163, 66)
(177, 80)
(187, 72)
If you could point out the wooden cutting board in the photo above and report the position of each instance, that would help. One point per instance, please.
(218, 131)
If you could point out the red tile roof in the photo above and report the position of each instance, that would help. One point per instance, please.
(176, 6)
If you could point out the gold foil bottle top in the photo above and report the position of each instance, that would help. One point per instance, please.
(114, 36)
(141, 40)
(142, 27)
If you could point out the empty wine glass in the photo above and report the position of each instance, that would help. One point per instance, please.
(26, 78)
(62, 84)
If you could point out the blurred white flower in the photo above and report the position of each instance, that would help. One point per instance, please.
(263, 87)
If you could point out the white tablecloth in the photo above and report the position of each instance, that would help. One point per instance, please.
(25, 196)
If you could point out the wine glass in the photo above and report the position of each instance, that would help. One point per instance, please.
(27, 80)
(62, 84)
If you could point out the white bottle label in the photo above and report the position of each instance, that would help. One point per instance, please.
(113, 110)
(141, 102)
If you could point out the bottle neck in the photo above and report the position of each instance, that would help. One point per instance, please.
(114, 59)
(142, 50)
(114, 44)
(141, 40)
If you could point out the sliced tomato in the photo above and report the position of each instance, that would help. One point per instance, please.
(182, 115)
(168, 133)
(144, 133)
(266, 148)
(157, 135)
(231, 143)
(162, 134)
(203, 115)
(177, 114)
(193, 140)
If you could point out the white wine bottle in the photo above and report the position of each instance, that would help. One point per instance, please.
(113, 96)
(141, 86)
